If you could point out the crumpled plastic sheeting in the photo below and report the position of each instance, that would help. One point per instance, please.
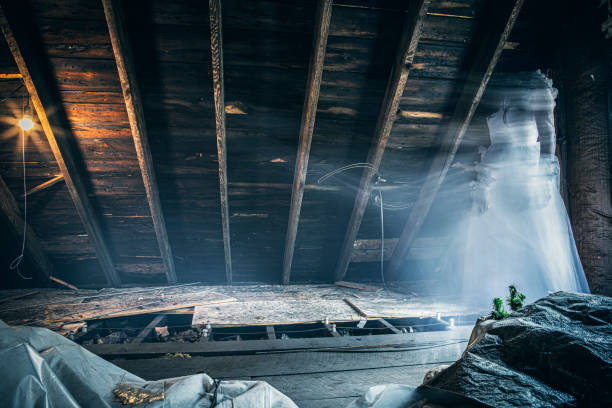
(403, 396)
(554, 352)
(40, 368)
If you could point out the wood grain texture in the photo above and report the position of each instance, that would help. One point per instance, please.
(45, 185)
(309, 111)
(395, 88)
(483, 65)
(32, 64)
(125, 66)
(216, 48)
(33, 249)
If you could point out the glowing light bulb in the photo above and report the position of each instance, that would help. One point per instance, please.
(26, 123)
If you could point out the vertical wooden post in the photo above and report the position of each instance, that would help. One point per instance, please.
(216, 48)
(309, 111)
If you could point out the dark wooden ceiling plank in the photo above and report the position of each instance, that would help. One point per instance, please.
(482, 68)
(33, 247)
(133, 103)
(46, 101)
(309, 111)
(395, 88)
(216, 47)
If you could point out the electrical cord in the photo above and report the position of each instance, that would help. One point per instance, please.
(15, 263)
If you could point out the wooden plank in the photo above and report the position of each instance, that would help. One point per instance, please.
(10, 76)
(125, 66)
(360, 286)
(355, 307)
(309, 111)
(157, 321)
(254, 346)
(33, 248)
(33, 66)
(395, 88)
(45, 185)
(63, 283)
(270, 332)
(19, 296)
(148, 310)
(482, 68)
(389, 326)
(290, 363)
(216, 47)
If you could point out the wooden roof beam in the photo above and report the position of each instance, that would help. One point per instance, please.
(388, 112)
(33, 248)
(309, 111)
(122, 50)
(33, 66)
(482, 68)
(216, 48)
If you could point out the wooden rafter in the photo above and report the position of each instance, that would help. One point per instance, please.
(309, 111)
(33, 66)
(33, 248)
(395, 88)
(216, 48)
(482, 68)
(115, 21)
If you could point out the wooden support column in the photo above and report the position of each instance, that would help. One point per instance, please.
(216, 48)
(309, 111)
(388, 112)
(33, 65)
(33, 250)
(133, 103)
(485, 60)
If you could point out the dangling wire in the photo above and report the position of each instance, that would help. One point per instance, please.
(382, 240)
(341, 169)
(14, 265)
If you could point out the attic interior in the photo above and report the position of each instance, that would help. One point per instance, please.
(293, 201)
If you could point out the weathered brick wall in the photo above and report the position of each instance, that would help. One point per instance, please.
(586, 84)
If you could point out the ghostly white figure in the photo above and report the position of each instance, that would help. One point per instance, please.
(518, 231)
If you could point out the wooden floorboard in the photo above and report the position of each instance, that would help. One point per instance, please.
(287, 363)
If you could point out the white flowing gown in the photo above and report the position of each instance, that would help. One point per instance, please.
(518, 232)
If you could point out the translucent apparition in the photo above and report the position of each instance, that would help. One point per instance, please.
(513, 227)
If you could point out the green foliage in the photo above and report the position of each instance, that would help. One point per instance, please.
(515, 301)
(498, 309)
(516, 298)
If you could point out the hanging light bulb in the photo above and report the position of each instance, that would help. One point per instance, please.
(26, 123)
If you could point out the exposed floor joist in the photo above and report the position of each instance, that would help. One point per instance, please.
(216, 48)
(144, 333)
(33, 248)
(125, 66)
(480, 72)
(33, 66)
(309, 111)
(394, 91)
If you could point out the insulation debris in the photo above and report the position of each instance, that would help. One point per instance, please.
(129, 395)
